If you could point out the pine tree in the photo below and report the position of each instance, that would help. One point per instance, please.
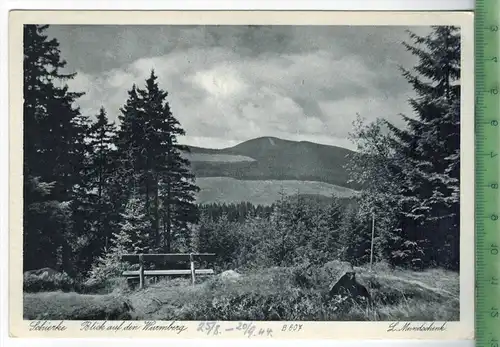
(153, 151)
(50, 153)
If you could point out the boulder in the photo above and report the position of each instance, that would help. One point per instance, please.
(230, 275)
(46, 279)
(46, 271)
(348, 286)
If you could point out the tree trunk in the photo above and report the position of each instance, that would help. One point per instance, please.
(166, 231)
(156, 214)
(100, 189)
(147, 192)
(168, 219)
(447, 77)
(67, 265)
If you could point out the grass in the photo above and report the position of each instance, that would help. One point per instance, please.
(74, 306)
(409, 295)
(270, 294)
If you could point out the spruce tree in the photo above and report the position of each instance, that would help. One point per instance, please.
(410, 176)
(132, 236)
(354, 237)
(135, 228)
(51, 157)
(172, 181)
(151, 158)
(129, 141)
(82, 205)
(430, 146)
(101, 137)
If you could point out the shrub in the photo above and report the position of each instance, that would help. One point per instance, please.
(106, 272)
(220, 237)
(411, 255)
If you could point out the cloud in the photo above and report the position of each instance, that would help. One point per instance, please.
(231, 84)
(223, 82)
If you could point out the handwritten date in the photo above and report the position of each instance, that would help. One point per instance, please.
(247, 329)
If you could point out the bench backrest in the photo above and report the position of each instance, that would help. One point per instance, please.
(167, 257)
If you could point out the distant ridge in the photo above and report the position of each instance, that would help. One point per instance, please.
(272, 158)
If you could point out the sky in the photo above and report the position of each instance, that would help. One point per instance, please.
(229, 84)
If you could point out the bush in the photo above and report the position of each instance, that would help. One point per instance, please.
(411, 255)
(105, 274)
(221, 237)
(297, 231)
(46, 281)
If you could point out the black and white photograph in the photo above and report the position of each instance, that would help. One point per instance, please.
(241, 172)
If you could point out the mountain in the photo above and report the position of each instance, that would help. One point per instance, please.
(271, 158)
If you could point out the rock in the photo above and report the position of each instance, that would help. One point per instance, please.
(348, 286)
(230, 275)
(46, 279)
(39, 272)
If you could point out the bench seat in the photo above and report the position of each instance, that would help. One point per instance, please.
(168, 272)
(162, 259)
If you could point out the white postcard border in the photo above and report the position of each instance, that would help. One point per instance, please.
(464, 329)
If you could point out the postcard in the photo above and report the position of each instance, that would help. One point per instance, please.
(242, 174)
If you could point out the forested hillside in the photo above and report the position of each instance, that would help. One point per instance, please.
(270, 158)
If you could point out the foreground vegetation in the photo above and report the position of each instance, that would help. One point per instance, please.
(278, 293)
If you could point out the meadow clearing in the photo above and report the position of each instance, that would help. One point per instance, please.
(293, 293)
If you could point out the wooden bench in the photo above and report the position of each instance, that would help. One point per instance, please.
(141, 259)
